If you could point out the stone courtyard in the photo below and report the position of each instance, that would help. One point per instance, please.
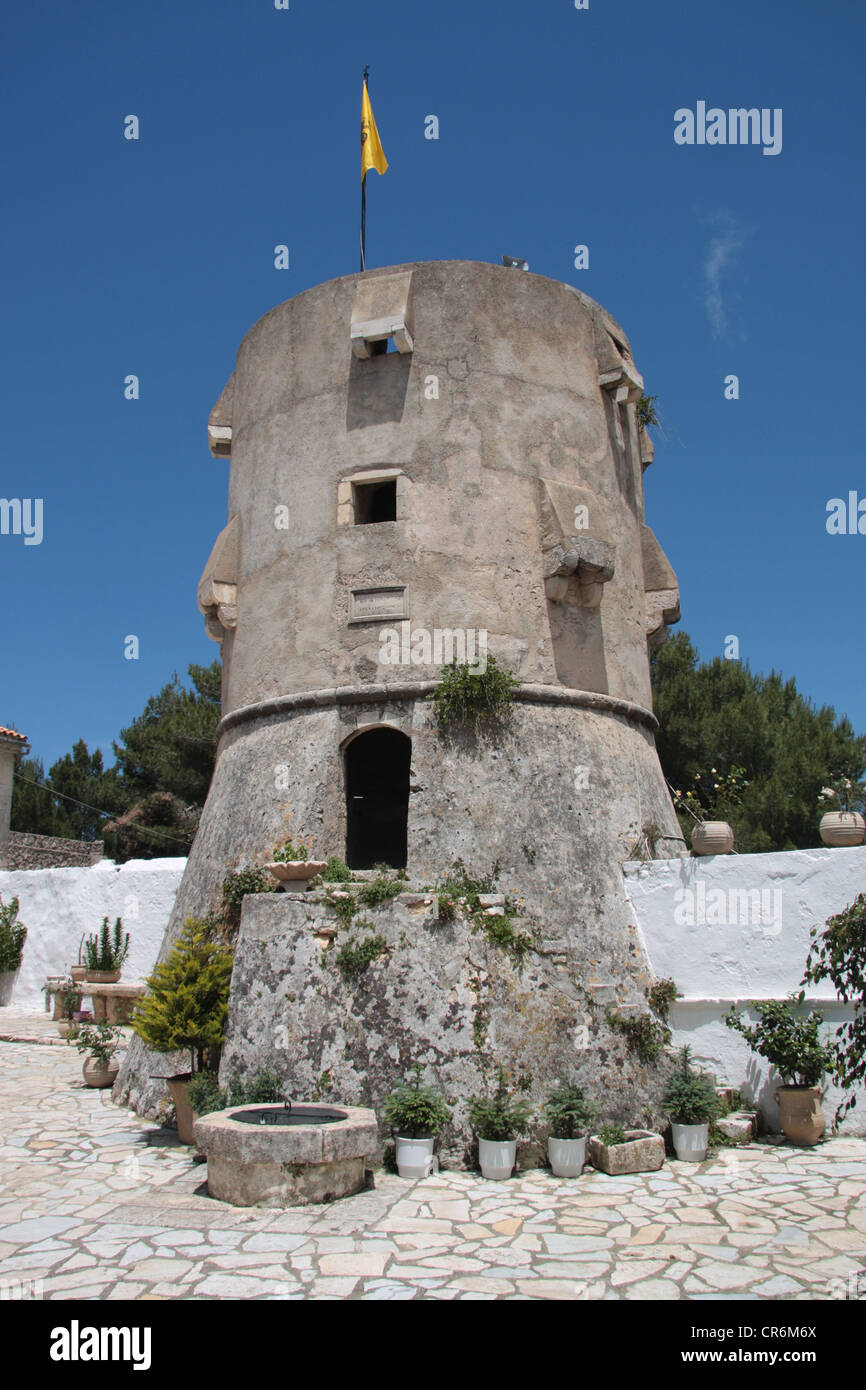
(96, 1203)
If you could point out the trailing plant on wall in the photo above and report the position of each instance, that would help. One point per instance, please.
(236, 886)
(838, 954)
(354, 956)
(660, 996)
(645, 1036)
(473, 699)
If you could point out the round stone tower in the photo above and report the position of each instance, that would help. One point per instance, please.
(432, 462)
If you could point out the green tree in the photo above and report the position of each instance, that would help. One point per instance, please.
(186, 1006)
(149, 803)
(171, 746)
(34, 809)
(719, 715)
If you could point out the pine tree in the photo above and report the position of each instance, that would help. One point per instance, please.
(187, 1001)
(717, 716)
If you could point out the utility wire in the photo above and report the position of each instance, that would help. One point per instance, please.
(146, 829)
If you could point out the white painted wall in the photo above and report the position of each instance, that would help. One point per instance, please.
(58, 906)
(733, 928)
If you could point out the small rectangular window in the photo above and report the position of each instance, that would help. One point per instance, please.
(375, 502)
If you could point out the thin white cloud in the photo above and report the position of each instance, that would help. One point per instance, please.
(721, 255)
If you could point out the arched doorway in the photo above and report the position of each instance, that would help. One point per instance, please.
(377, 798)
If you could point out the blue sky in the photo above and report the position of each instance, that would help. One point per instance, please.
(155, 256)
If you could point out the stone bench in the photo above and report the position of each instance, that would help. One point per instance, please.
(111, 1003)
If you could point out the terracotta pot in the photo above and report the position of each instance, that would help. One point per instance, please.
(183, 1110)
(78, 972)
(102, 977)
(712, 837)
(95, 1074)
(64, 1027)
(842, 828)
(800, 1114)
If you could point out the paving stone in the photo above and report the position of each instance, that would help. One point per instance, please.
(760, 1222)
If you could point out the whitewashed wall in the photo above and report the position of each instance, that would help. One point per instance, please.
(58, 906)
(733, 928)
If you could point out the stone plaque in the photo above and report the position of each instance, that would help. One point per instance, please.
(384, 605)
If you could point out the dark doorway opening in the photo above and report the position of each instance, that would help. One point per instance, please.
(377, 799)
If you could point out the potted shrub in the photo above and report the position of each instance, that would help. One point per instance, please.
(99, 1042)
(498, 1120)
(12, 937)
(415, 1114)
(67, 1003)
(568, 1114)
(615, 1150)
(186, 1009)
(105, 953)
(794, 1047)
(690, 1100)
(842, 823)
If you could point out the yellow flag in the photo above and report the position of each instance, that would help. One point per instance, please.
(372, 154)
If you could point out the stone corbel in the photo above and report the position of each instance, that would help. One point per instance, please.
(661, 590)
(218, 586)
(382, 310)
(624, 382)
(590, 562)
(219, 429)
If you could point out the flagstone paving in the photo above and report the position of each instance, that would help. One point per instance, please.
(98, 1204)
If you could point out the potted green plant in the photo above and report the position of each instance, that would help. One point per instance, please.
(186, 1009)
(12, 937)
(568, 1115)
(690, 1100)
(615, 1150)
(416, 1113)
(67, 1002)
(292, 863)
(79, 970)
(99, 1043)
(794, 1047)
(498, 1120)
(842, 824)
(105, 953)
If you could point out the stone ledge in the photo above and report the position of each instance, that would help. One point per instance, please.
(526, 693)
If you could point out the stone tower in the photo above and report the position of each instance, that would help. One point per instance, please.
(441, 448)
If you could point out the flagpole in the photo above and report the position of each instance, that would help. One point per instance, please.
(364, 197)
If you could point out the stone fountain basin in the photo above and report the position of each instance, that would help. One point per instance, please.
(285, 1165)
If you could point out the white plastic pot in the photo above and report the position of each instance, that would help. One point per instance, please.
(567, 1156)
(497, 1158)
(415, 1157)
(691, 1141)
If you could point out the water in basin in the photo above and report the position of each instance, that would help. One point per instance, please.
(298, 1115)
